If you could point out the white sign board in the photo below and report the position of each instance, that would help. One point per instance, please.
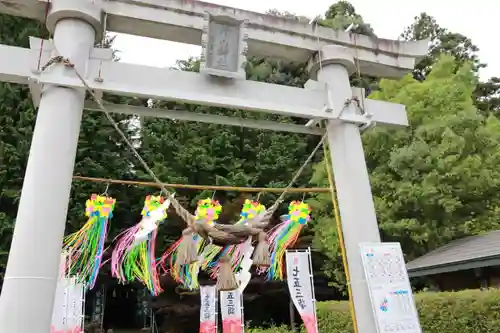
(299, 279)
(390, 290)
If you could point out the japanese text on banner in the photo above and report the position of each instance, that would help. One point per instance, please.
(299, 279)
(208, 321)
(390, 290)
(231, 311)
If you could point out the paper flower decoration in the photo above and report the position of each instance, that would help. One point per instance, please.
(100, 206)
(250, 210)
(152, 203)
(299, 212)
(208, 210)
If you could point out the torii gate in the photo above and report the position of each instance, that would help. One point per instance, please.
(30, 281)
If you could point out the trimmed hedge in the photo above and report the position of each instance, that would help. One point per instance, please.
(469, 311)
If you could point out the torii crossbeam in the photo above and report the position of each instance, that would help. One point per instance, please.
(28, 291)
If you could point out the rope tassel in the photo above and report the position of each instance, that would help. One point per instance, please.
(226, 279)
(214, 254)
(182, 256)
(285, 234)
(87, 244)
(261, 253)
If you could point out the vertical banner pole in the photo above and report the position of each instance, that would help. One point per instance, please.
(311, 275)
(216, 312)
(292, 314)
(103, 306)
(83, 300)
(242, 313)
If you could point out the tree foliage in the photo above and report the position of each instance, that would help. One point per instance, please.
(341, 15)
(443, 41)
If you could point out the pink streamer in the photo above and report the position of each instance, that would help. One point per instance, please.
(208, 327)
(70, 330)
(126, 239)
(235, 259)
(310, 323)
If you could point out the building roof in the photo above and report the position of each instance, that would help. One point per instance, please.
(466, 253)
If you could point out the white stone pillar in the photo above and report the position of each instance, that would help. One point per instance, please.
(29, 286)
(359, 223)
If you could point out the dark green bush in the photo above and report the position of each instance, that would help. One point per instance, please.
(469, 311)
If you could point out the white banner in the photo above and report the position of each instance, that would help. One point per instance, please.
(231, 304)
(299, 279)
(389, 287)
(67, 316)
(208, 315)
(75, 307)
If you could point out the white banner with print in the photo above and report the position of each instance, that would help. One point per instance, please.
(231, 304)
(67, 316)
(208, 315)
(299, 279)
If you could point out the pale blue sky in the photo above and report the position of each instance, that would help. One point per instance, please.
(474, 19)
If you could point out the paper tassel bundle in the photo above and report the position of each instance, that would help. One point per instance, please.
(187, 275)
(285, 234)
(134, 255)
(86, 246)
(182, 257)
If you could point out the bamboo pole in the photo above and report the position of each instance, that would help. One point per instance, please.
(204, 187)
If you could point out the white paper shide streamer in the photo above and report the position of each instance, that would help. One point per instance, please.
(150, 223)
(208, 315)
(299, 279)
(231, 311)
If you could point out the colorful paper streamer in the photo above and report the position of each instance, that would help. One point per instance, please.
(214, 253)
(86, 246)
(284, 235)
(133, 258)
(208, 212)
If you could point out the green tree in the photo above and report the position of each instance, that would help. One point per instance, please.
(341, 15)
(435, 181)
(443, 41)
(487, 96)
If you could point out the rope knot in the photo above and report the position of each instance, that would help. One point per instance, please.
(58, 60)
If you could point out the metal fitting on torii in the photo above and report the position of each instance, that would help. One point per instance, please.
(360, 116)
(350, 109)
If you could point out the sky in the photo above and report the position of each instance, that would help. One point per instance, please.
(474, 19)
